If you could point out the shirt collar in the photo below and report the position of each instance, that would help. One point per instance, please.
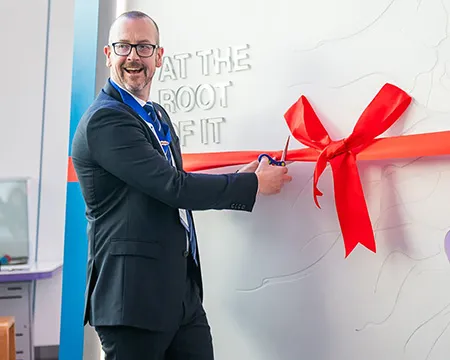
(140, 101)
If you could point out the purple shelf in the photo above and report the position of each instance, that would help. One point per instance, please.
(24, 275)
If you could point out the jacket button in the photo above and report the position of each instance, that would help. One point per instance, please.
(185, 253)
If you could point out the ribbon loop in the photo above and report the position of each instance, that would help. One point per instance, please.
(305, 125)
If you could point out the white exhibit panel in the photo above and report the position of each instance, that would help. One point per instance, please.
(277, 283)
(21, 96)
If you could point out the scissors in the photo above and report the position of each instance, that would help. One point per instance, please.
(272, 161)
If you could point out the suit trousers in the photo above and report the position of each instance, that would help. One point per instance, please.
(190, 341)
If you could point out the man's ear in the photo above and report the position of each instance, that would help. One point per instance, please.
(107, 52)
(159, 56)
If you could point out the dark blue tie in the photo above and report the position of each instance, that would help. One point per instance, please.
(192, 242)
(152, 113)
(159, 128)
(157, 123)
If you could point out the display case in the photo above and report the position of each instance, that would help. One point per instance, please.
(15, 244)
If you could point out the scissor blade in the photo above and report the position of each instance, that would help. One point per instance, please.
(285, 150)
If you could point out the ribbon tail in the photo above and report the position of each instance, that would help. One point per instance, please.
(351, 205)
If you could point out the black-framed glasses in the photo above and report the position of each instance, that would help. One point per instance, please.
(143, 50)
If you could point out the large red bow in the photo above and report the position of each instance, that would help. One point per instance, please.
(387, 106)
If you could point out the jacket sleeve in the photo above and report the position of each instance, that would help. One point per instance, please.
(117, 143)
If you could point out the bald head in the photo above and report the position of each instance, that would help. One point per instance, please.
(130, 15)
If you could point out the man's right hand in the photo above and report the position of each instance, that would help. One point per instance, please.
(271, 178)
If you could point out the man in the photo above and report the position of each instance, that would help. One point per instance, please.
(144, 289)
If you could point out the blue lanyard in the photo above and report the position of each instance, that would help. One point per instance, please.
(162, 133)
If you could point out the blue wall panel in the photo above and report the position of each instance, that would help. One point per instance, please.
(75, 242)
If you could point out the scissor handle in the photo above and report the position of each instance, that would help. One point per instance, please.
(272, 161)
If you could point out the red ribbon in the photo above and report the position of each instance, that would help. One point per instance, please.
(387, 106)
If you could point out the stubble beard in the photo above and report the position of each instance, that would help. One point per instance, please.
(135, 87)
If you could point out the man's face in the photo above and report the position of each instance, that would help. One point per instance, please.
(134, 72)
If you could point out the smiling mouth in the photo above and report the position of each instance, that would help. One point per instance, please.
(133, 70)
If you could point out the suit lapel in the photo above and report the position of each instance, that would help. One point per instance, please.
(174, 147)
(112, 92)
(108, 89)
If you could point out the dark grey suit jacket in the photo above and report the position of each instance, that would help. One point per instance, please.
(137, 259)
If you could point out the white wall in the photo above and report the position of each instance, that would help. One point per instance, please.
(107, 14)
(277, 284)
